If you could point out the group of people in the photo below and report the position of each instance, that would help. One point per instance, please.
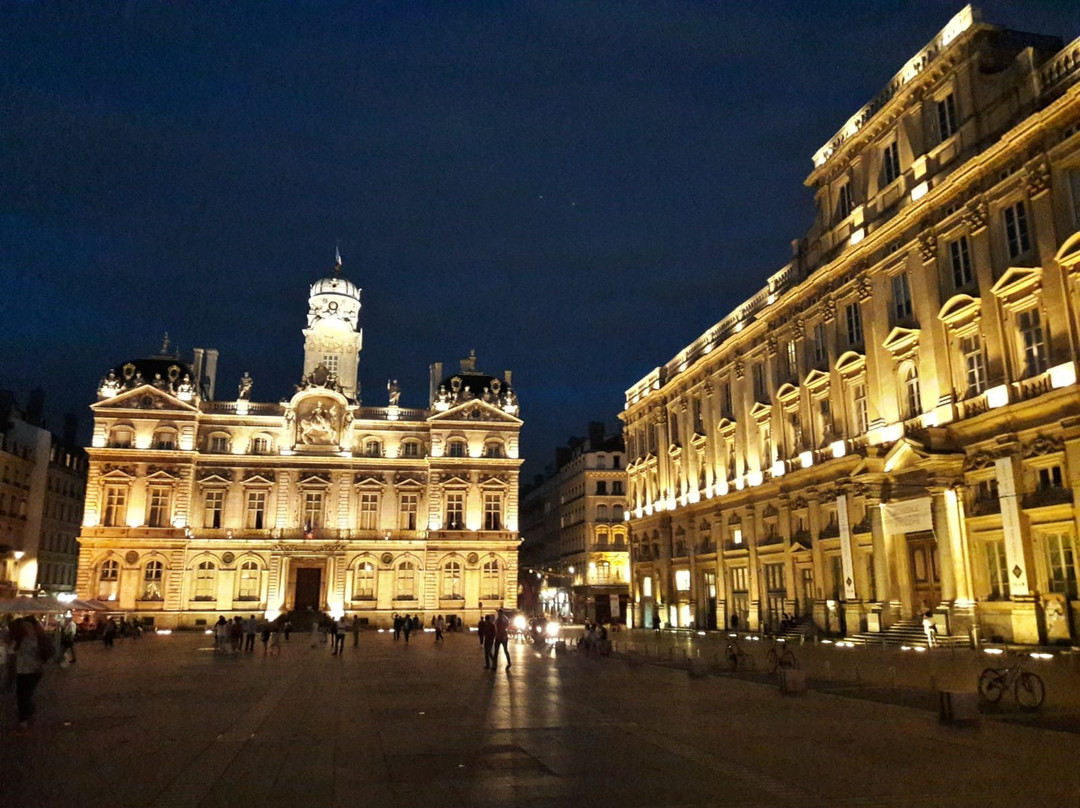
(595, 639)
(333, 630)
(494, 631)
(239, 634)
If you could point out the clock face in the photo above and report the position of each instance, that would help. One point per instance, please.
(387, 558)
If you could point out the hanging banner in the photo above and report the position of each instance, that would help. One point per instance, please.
(907, 516)
(846, 561)
(1010, 524)
(615, 606)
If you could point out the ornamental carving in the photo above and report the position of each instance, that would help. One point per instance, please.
(865, 287)
(259, 475)
(829, 307)
(734, 519)
(169, 471)
(771, 345)
(800, 327)
(131, 557)
(224, 474)
(488, 478)
(228, 558)
(1037, 176)
(707, 388)
(975, 215)
(799, 503)
(928, 247)
(387, 558)
(740, 368)
(318, 422)
(979, 460)
(770, 511)
(108, 468)
(472, 559)
(1042, 445)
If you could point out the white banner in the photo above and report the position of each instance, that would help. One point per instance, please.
(1010, 523)
(907, 516)
(615, 606)
(846, 561)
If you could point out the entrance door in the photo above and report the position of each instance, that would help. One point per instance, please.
(925, 580)
(308, 589)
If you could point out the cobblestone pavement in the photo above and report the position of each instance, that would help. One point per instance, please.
(165, 721)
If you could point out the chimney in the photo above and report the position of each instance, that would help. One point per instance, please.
(596, 434)
(563, 455)
(71, 428)
(35, 408)
(211, 371)
(508, 375)
(434, 376)
(196, 369)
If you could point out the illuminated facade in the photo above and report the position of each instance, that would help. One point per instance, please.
(574, 532)
(893, 423)
(197, 506)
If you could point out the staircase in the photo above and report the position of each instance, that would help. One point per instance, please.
(908, 632)
(799, 630)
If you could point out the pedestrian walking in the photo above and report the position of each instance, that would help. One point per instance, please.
(250, 629)
(656, 622)
(275, 641)
(406, 627)
(236, 634)
(339, 637)
(487, 640)
(356, 631)
(929, 629)
(287, 629)
(108, 635)
(221, 634)
(440, 627)
(398, 625)
(67, 640)
(266, 632)
(31, 649)
(502, 638)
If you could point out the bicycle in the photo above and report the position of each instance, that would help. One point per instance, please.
(737, 656)
(1027, 687)
(783, 658)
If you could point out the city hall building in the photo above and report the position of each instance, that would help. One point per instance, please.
(892, 424)
(198, 506)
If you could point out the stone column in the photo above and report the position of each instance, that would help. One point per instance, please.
(1018, 554)
(884, 565)
(946, 547)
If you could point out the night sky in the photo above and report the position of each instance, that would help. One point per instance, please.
(574, 190)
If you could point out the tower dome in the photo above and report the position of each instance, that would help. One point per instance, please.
(333, 337)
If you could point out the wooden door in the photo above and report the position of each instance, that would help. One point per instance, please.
(925, 574)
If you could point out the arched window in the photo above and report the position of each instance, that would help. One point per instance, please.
(494, 448)
(372, 448)
(410, 448)
(491, 581)
(219, 443)
(261, 444)
(406, 581)
(121, 437)
(364, 581)
(205, 580)
(153, 572)
(248, 588)
(912, 401)
(108, 579)
(451, 580)
(165, 438)
(457, 448)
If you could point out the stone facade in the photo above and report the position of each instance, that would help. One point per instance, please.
(198, 507)
(892, 425)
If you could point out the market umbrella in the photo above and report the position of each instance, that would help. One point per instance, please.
(80, 605)
(24, 604)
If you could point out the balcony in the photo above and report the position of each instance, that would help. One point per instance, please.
(1033, 387)
(830, 531)
(1049, 495)
(609, 547)
(770, 540)
(986, 507)
(802, 537)
(731, 544)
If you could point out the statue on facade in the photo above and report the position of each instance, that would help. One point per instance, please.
(245, 387)
(393, 391)
(186, 387)
(318, 426)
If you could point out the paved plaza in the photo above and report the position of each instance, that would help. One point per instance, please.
(166, 721)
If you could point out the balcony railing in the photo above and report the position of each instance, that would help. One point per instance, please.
(986, 507)
(1050, 495)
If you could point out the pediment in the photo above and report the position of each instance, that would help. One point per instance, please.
(260, 478)
(216, 478)
(959, 309)
(901, 341)
(816, 379)
(144, 397)
(904, 454)
(494, 482)
(476, 410)
(111, 472)
(760, 411)
(162, 474)
(455, 482)
(321, 479)
(725, 426)
(850, 363)
(1017, 282)
(1069, 254)
(787, 392)
(369, 481)
(409, 483)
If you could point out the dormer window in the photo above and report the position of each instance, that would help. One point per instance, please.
(456, 448)
(165, 439)
(260, 445)
(494, 449)
(121, 438)
(372, 448)
(410, 449)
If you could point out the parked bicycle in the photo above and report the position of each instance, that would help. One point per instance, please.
(738, 657)
(1027, 687)
(781, 657)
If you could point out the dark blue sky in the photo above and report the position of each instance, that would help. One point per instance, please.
(575, 190)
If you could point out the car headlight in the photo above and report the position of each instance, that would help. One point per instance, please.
(552, 629)
(519, 622)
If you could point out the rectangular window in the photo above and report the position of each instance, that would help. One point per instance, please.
(455, 510)
(364, 582)
(1034, 342)
(674, 428)
(260, 445)
(313, 509)
(369, 511)
(821, 349)
(853, 318)
(492, 510)
(725, 397)
(213, 505)
(1050, 477)
(739, 580)
(891, 162)
(901, 295)
(407, 514)
(157, 510)
(410, 449)
(115, 506)
(331, 362)
(699, 423)
(860, 409)
(1061, 563)
(845, 203)
(219, 444)
(255, 510)
(617, 487)
(960, 261)
(774, 577)
(946, 117)
(974, 364)
(601, 487)
(682, 580)
(1016, 230)
(759, 381)
(792, 362)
